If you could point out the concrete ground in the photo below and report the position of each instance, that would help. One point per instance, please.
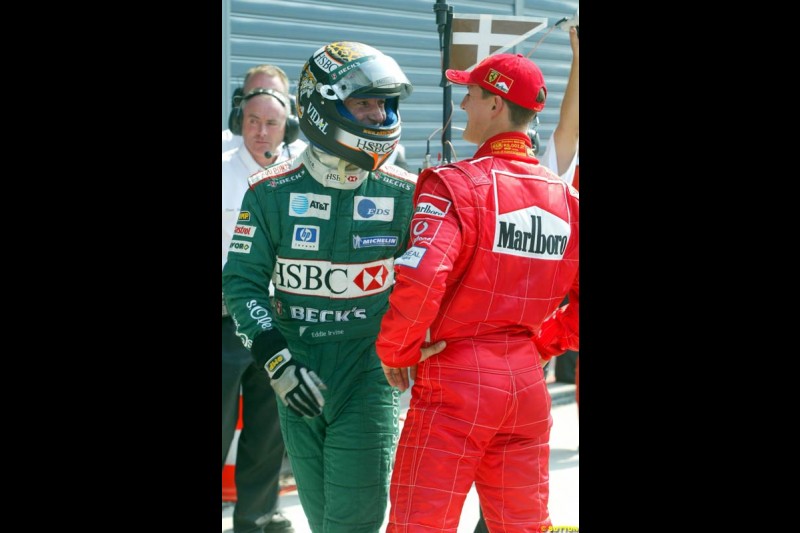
(564, 466)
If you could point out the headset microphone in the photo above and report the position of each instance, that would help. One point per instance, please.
(268, 154)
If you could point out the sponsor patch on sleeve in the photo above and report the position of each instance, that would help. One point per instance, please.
(244, 231)
(244, 216)
(240, 247)
(428, 204)
(412, 257)
(423, 230)
(270, 173)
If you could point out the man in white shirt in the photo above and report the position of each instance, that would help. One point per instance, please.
(561, 153)
(259, 77)
(267, 130)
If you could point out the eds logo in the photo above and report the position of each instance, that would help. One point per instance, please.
(377, 208)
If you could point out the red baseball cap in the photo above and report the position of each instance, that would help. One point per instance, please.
(512, 76)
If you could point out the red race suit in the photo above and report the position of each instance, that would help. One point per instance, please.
(492, 253)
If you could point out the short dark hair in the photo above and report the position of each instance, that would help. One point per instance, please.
(519, 116)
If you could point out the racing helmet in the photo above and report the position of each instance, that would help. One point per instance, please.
(341, 70)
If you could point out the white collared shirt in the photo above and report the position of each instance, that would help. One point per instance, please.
(237, 166)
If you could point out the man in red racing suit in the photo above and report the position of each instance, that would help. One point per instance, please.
(492, 253)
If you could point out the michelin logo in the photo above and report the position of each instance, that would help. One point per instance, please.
(370, 242)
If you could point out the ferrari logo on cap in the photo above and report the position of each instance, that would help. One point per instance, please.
(497, 80)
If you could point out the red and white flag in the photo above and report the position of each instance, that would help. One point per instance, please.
(476, 37)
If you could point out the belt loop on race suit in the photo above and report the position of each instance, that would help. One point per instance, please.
(229, 470)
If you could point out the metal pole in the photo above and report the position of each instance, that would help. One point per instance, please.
(444, 21)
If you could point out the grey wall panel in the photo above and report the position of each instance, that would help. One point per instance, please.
(226, 60)
(286, 33)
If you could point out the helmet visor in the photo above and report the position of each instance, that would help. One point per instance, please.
(371, 77)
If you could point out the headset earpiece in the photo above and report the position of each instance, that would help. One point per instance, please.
(292, 123)
(235, 117)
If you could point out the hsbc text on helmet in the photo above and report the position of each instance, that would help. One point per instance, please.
(374, 146)
(325, 63)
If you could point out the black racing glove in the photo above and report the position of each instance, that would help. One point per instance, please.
(299, 388)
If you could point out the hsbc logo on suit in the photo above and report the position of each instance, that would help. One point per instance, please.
(332, 280)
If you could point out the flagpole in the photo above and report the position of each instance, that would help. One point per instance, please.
(444, 20)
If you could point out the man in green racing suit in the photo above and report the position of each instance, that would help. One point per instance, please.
(308, 277)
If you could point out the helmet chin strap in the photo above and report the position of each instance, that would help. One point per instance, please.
(330, 160)
(342, 171)
(332, 171)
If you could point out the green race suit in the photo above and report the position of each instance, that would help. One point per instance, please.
(326, 239)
